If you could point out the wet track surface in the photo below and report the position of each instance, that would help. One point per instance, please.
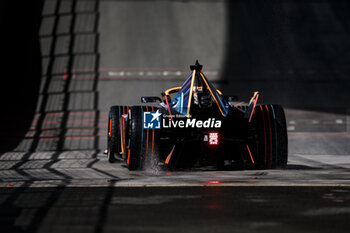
(85, 168)
(95, 54)
(185, 209)
(80, 191)
(319, 152)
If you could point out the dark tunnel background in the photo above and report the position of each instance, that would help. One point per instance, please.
(20, 68)
(296, 53)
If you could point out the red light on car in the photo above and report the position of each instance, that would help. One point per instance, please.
(213, 138)
(213, 182)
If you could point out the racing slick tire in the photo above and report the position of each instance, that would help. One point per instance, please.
(143, 145)
(113, 134)
(272, 140)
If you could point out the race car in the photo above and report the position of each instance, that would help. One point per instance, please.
(196, 125)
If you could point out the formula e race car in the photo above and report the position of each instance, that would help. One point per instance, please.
(199, 126)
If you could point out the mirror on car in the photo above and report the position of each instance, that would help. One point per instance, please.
(150, 99)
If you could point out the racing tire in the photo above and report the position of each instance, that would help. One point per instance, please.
(143, 145)
(113, 133)
(272, 139)
(282, 136)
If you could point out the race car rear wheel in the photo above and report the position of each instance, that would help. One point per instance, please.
(143, 145)
(113, 133)
(281, 136)
(272, 142)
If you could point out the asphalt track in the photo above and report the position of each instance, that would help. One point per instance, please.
(95, 54)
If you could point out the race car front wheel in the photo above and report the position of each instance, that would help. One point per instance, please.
(144, 143)
(114, 133)
(272, 141)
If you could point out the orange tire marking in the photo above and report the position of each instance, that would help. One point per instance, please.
(128, 157)
(122, 127)
(127, 110)
(122, 135)
(110, 127)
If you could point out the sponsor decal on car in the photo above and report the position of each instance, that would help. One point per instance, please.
(151, 120)
(155, 120)
(191, 123)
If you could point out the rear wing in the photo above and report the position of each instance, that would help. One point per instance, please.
(251, 106)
